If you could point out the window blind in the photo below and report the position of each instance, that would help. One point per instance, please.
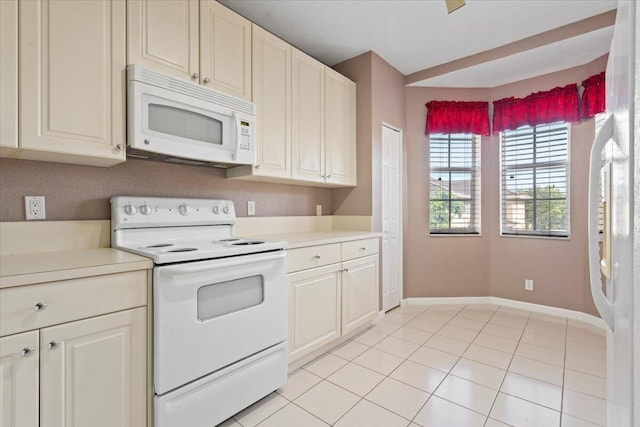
(534, 175)
(454, 187)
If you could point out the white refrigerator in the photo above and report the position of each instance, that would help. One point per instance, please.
(618, 143)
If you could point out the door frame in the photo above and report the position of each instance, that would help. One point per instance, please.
(401, 213)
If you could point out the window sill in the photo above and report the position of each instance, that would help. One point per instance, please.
(528, 236)
(455, 234)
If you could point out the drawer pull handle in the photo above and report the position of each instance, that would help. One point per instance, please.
(40, 306)
(316, 257)
(27, 351)
(54, 344)
(362, 249)
(346, 270)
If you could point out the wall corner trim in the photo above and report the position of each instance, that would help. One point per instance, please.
(539, 308)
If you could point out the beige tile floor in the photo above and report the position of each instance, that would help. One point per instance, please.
(449, 365)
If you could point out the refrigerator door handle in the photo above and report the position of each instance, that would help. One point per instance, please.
(604, 306)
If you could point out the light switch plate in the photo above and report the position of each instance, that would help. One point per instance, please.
(251, 208)
(34, 207)
(528, 284)
(319, 210)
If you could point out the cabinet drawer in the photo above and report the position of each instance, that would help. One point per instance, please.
(359, 248)
(70, 300)
(313, 256)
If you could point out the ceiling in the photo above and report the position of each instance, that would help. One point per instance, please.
(418, 35)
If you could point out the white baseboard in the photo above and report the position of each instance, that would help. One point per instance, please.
(554, 311)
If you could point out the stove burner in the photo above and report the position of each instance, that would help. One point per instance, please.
(160, 245)
(228, 240)
(256, 242)
(183, 250)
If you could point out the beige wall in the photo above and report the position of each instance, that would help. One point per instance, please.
(82, 192)
(432, 264)
(496, 265)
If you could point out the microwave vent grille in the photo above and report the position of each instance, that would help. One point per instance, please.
(177, 85)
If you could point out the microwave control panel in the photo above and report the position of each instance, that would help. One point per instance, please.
(245, 135)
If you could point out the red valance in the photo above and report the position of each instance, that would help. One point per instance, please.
(593, 97)
(558, 104)
(457, 117)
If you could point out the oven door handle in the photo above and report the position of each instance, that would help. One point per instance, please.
(200, 266)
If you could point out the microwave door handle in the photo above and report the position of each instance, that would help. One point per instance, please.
(234, 156)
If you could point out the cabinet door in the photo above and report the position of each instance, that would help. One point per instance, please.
(9, 73)
(72, 81)
(19, 380)
(340, 126)
(307, 141)
(359, 292)
(164, 35)
(314, 309)
(225, 50)
(94, 372)
(271, 69)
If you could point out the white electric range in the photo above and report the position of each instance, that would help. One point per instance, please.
(219, 307)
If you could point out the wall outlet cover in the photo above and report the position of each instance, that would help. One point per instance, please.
(34, 207)
(319, 210)
(528, 284)
(251, 208)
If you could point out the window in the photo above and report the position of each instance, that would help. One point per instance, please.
(535, 188)
(454, 199)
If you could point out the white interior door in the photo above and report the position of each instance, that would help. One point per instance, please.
(391, 217)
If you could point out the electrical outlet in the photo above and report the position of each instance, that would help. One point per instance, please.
(34, 207)
(528, 285)
(319, 210)
(251, 208)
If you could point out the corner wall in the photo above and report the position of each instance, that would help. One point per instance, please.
(496, 265)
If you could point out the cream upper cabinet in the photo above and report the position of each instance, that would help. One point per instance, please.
(359, 292)
(225, 50)
(271, 69)
(19, 380)
(72, 82)
(307, 144)
(164, 35)
(314, 309)
(9, 74)
(340, 129)
(93, 372)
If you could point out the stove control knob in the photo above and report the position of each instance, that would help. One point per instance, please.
(130, 209)
(216, 209)
(226, 210)
(145, 210)
(184, 209)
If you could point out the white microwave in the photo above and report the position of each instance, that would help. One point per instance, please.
(172, 120)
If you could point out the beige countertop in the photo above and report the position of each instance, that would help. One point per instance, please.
(40, 267)
(313, 238)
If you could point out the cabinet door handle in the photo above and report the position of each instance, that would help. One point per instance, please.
(195, 76)
(40, 306)
(120, 147)
(27, 351)
(206, 80)
(257, 166)
(346, 270)
(362, 249)
(54, 344)
(316, 257)
(328, 176)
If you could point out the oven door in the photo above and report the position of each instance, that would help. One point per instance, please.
(211, 314)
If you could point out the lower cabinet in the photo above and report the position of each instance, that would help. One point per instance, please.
(329, 301)
(19, 382)
(90, 370)
(359, 292)
(314, 309)
(93, 371)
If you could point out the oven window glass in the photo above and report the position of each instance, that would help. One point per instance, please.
(184, 124)
(223, 298)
